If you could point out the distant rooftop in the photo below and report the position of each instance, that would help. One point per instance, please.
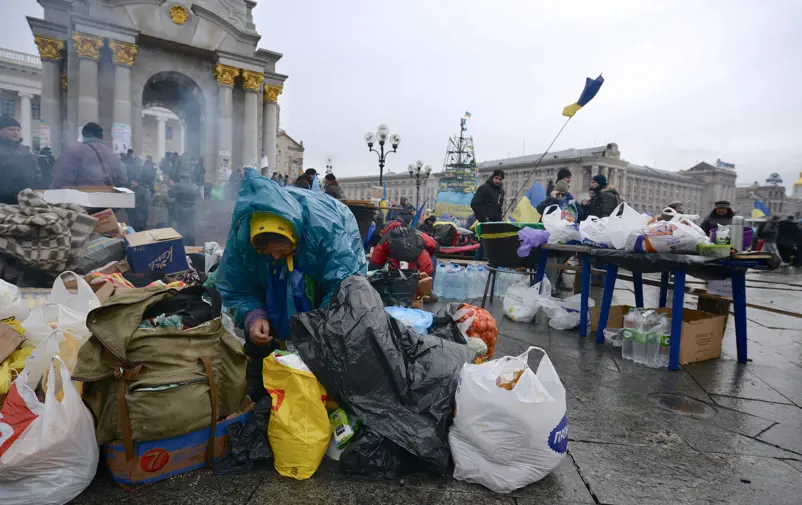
(31, 60)
(533, 158)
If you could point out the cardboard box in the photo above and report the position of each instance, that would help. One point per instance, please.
(156, 251)
(107, 224)
(102, 197)
(701, 335)
(161, 459)
(10, 340)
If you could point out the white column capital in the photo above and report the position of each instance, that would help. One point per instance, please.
(161, 119)
(22, 94)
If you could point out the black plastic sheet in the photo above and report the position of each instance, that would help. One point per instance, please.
(700, 266)
(249, 445)
(398, 383)
(396, 287)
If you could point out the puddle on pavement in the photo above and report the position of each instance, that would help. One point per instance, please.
(683, 405)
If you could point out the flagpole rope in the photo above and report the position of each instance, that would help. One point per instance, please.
(524, 184)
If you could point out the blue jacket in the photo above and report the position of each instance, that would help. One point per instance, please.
(329, 249)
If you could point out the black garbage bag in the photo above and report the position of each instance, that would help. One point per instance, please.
(372, 454)
(398, 383)
(249, 445)
(444, 326)
(396, 287)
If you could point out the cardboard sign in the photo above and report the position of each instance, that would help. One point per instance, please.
(156, 252)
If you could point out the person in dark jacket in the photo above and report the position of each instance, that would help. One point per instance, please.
(133, 166)
(563, 174)
(333, 188)
(18, 169)
(89, 163)
(185, 196)
(768, 232)
(788, 236)
(148, 174)
(427, 226)
(721, 215)
(488, 202)
(605, 198)
(306, 179)
(234, 183)
(563, 199)
(46, 162)
(143, 199)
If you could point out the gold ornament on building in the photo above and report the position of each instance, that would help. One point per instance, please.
(87, 46)
(123, 53)
(225, 75)
(64, 81)
(49, 49)
(179, 14)
(252, 80)
(272, 93)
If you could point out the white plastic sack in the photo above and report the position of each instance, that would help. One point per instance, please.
(59, 344)
(593, 231)
(564, 314)
(560, 230)
(507, 439)
(48, 317)
(679, 236)
(477, 345)
(620, 226)
(522, 302)
(211, 255)
(82, 302)
(11, 303)
(55, 458)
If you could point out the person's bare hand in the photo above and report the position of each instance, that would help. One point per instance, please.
(259, 332)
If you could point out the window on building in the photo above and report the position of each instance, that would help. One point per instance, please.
(7, 107)
(169, 133)
(36, 112)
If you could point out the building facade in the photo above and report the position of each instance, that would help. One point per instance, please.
(772, 197)
(109, 63)
(290, 155)
(21, 92)
(646, 189)
(398, 186)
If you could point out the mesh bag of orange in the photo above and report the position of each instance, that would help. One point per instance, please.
(477, 323)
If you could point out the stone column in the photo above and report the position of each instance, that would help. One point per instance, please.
(25, 117)
(252, 84)
(123, 56)
(161, 140)
(88, 49)
(50, 101)
(270, 125)
(183, 137)
(225, 79)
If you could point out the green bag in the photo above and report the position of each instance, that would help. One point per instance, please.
(152, 384)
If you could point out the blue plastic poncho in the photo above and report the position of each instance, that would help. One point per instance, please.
(329, 249)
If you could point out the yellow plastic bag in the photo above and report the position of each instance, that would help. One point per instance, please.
(299, 429)
(14, 362)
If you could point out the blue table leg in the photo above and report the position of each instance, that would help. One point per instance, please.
(739, 304)
(677, 308)
(664, 288)
(607, 300)
(541, 264)
(637, 279)
(585, 293)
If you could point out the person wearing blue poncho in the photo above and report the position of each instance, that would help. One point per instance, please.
(287, 251)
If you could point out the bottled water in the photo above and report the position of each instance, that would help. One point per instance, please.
(459, 283)
(644, 324)
(481, 274)
(470, 292)
(630, 328)
(665, 340)
(438, 279)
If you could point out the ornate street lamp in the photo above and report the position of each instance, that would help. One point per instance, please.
(420, 173)
(382, 134)
(329, 168)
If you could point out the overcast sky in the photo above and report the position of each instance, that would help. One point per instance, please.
(685, 81)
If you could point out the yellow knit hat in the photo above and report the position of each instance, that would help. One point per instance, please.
(267, 222)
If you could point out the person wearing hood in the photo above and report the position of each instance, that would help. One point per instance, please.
(382, 253)
(721, 215)
(89, 163)
(562, 199)
(284, 243)
(18, 168)
(488, 202)
(605, 198)
(306, 179)
(333, 188)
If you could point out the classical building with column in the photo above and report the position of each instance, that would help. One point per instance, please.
(21, 91)
(114, 62)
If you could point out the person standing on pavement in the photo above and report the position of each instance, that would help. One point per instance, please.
(139, 215)
(488, 204)
(788, 236)
(184, 196)
(89, 163)
(333, 188)
(46, 162)
(148, 176)
(767, 232)
(306, 179)
(605, 198)
(721, 215)
(18, 169)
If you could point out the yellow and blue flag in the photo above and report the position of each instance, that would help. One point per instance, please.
(760, 210)
(467, 114)
(526, 210)
(592, 87)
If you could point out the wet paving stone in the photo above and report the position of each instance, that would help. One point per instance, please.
(727, 378)
(785, 436)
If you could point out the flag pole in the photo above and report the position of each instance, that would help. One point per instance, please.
(524, 185)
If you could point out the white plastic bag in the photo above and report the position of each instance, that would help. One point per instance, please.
(48, 317)
(564, 314)
(620, 226)
(593, 231)
(678, 236)
(59, 344)
(211, 255)
(82, 302)
(507, 439)
(560, 230)
(55, 458)
(522, 302)
(477, 345)
(11, 303)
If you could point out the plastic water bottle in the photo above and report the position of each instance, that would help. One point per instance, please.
(649, 321)
(438, 279)
(448, 282)
(665, 341)
(459, 283)
(630, 328)
(481, 275)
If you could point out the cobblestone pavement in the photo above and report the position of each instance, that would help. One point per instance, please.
(714, 432)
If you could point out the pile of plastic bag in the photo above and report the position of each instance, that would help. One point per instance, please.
(522, 303)
(561, 226)
(679, 235)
